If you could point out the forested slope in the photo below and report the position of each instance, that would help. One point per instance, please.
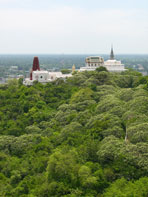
(86, 136)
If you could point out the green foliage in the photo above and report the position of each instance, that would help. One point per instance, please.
(116, 152)
(121, 187)
(101, 68)
(63, 167)
(83, 136)
(82, 95)
(138, 133)
(65, 71)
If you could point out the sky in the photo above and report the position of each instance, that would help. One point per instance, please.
(73, 26)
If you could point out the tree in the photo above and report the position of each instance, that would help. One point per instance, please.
(65, 71)
(82, 95)
(101, 68)
(62, 167)
(123, 188)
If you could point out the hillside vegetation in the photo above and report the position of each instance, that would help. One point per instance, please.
(86, 136)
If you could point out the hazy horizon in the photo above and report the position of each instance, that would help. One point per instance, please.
(36, 54)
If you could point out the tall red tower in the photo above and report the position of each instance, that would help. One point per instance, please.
(35, 66)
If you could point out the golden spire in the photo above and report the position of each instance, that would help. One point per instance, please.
(73, 68)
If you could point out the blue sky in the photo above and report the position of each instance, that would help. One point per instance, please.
(73, 26)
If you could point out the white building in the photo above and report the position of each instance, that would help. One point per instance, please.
(92, 62)
(111, 65)
(44, 77)
(40, 76)
(114, 65)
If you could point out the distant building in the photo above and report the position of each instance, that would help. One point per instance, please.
(111, 65)
(13, 68)
(42, 76)
(140, 67)
(92, 62)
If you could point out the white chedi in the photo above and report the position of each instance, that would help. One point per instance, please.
(112, 65)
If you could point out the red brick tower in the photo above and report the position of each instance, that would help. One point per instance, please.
(35, 66)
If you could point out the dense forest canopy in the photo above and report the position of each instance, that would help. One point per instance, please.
(85, 136)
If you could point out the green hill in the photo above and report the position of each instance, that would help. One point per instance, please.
(86, 136)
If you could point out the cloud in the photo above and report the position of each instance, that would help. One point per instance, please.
(68, 29)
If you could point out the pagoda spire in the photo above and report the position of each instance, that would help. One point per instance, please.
(112, 57)
(35, 66)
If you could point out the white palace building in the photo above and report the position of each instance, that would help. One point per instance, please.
(112, 65)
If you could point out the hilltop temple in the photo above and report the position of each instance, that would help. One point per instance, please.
(91, 63)
(112, 65)
(42, 76)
